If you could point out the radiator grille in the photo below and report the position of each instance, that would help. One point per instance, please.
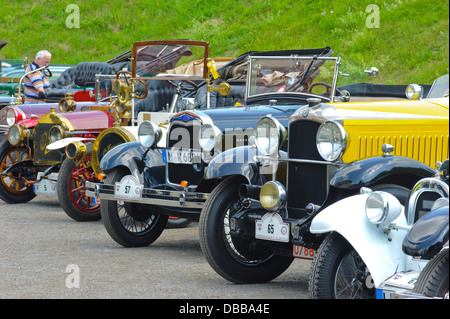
(307, 183)
(184, 135)
(41, 141)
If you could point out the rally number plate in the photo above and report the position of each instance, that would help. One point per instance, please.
(128, 188)
(178, 156)
(271, 227)
(45, 186)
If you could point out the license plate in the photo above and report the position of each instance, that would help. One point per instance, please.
(179, 156)
(45, 186)
(128, 188)
(302, 252)
(271, 227)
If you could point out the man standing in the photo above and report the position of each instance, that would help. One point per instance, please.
(36, 83)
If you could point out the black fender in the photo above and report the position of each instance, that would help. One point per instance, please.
(242, 161)
(130, 155)
(397, 170)
(428, 235)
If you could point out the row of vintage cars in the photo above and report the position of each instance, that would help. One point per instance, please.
(266, 151)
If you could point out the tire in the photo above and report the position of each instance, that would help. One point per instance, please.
(12, 190)
(237, 259)
(433, 279)
(130, 225)
(71, 179)
(337, 264)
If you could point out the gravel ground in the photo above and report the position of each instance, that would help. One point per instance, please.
(43, 252)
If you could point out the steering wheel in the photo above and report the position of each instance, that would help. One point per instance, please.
(326, 85)
(47, 72)
(193, 87)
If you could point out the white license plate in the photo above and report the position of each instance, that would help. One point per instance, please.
(128, 188)
(302, 252)
(179, 156)
(271, 227)
(45, 186)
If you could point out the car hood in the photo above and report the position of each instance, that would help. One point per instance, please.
(246, 117)
(433, 108)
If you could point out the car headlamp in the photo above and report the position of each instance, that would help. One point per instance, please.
(17, 134)
(269, 135)
(76, 150)
(272, 196)
(210, 136)
(56, 133)
(14, 115)
(414, 92)
(149, 134)
(331, 140)
(382, 208)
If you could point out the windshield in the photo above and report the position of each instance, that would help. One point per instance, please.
(180, 58)
(439, 88)
(310, 76)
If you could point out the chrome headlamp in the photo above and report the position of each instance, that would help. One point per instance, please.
(210, 136)
(149, 134)
(17, 134)
(414, 92)
(331, 140)
(272, 196)
(56, 133)
(14, 115)
(382, 208)
(269, 135)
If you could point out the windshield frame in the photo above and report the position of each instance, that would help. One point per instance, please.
(141, 44)
(273, 95)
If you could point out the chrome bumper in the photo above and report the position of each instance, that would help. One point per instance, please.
(158, 197)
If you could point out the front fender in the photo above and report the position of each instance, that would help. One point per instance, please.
(429, 234)
(374, 170)
(383, 257)
(130, 155)
(235, 161)
(242, 161)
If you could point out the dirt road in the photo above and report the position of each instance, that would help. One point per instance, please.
(45, 254)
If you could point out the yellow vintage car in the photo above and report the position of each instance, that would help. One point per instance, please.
(256, 220)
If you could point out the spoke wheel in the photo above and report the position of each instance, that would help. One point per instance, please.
(236, 258)
(130, 225)
(72, 197)
(13, 189)
(338, 272)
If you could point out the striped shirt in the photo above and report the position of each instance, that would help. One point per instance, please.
(32, 82)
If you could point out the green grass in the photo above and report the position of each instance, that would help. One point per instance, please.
(410, 45)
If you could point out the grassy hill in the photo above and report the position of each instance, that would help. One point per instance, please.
(410, 44)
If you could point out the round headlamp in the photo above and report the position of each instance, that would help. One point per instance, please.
(13, 116)
(17, 134)
(272, 196)
(210, 136)
(331, 140)
(76, 150)
(269, 135)
(414, 92)
(149, 134)
(56, 133)
(382, 208)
